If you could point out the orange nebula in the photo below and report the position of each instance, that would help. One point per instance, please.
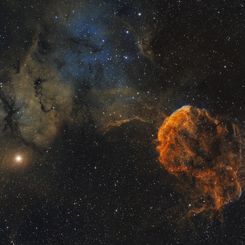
(204, 153)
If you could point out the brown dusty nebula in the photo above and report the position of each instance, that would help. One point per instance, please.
(204, 153)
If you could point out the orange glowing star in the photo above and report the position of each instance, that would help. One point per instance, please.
(18, 159)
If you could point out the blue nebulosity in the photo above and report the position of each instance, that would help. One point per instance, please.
(97, 52)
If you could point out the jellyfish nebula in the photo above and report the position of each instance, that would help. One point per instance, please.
(204, 153)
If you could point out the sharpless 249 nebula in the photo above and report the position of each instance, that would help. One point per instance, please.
(122, 122)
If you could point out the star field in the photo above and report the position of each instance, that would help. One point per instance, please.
(84, 87)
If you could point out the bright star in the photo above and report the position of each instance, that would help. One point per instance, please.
(18, 159)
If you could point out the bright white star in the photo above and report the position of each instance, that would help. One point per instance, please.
(18, 159)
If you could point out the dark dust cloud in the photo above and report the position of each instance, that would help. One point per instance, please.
(84, 87)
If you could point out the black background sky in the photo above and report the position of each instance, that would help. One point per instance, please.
(84, 86)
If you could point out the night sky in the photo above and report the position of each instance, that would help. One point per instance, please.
(84, 88)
